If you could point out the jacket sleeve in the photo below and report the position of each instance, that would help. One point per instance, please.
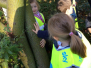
(43, 34)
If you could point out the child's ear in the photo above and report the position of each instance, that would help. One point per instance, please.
(56, 38)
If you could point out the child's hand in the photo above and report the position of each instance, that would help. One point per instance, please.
(36, 28)
(42, 43)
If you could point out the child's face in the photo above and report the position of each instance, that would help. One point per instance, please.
(34, 7)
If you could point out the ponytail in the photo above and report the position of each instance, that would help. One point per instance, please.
(77, 46)
(62, 26)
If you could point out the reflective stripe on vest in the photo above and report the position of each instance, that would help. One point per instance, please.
(40, 23)
(64, 58)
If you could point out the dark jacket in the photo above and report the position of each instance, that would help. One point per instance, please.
(43, 34)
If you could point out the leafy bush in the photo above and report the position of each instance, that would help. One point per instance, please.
(47, 9)
(8, 48)
(83, 10)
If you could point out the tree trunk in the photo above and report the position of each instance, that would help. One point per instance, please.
(3, 3)
(40, 54)
(15, 12)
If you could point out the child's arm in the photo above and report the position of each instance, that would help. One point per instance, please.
(42, 43)
(41, 34)
(36, 28)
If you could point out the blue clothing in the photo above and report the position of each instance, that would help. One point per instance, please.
(43, 34)
(74, 15)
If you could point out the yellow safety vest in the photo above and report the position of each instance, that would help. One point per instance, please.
(65, 58)
(76, 22)
(40, 23)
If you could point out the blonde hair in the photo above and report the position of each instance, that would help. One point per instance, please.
(63, 5)
(60, 25)
(34, 1)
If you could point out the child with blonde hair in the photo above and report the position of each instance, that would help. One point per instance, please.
(40, 20)
(71, 52)
(38, 16)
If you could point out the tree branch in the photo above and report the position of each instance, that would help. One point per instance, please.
(3, 3)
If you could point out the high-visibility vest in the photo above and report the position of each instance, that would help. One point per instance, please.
(65, 58)
(76, 22)
(40, 23)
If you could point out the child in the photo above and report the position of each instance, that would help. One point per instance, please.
(64, 6)
(71, 52)
(88, 23)
(39, 18)
(68, 7)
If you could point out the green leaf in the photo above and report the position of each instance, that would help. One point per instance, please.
(5, 28)
(16, 66)
(6, 56)
(1, 13)
(16, 39)
(10, 52)
(1, 51)
(0, 56)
